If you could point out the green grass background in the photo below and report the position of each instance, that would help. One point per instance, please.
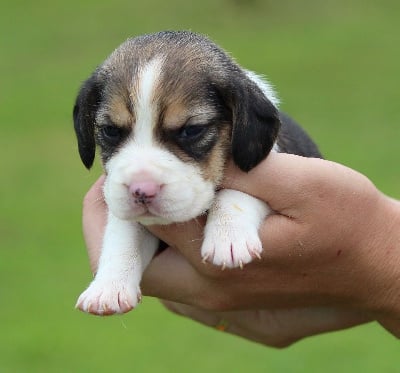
(335, 65)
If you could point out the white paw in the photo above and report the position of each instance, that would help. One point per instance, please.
(109, 297)
(230, 245)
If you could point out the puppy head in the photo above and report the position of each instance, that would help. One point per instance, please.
(167, 110)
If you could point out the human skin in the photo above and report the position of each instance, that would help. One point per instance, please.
(331, 255)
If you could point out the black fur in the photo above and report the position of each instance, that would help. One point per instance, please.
(210, 76)
(197, 147)
(293, 139)
(84, 115)
(255, 123)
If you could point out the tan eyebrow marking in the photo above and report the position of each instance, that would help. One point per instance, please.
(177, 114)
(119, 114)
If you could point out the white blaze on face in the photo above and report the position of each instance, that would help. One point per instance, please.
(145, 105)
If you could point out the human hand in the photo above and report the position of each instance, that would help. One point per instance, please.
(321, 247)
(304, 264)
(94, 219)
(329, 245)
(273, 327)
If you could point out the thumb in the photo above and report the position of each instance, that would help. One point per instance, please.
(281, 179)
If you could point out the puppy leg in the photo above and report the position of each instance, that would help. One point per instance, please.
(231, 233)
(127, 250)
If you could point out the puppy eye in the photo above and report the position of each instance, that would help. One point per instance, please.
(192, 131)
(112, 134)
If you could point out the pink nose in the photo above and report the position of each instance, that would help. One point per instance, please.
(144, 191)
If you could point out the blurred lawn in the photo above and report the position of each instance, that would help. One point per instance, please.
(335, 65)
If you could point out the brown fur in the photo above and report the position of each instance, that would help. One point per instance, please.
(199, 84)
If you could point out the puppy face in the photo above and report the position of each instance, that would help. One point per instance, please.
(167, 110)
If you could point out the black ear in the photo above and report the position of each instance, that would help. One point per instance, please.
(84, 114)
(255, 124)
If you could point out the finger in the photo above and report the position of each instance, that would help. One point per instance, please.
(275, 327)
(94, 218)
(187, 237)
(170, 276)
(208, 318)
(281, 179)
(281, 237)
(251, 325)
(220, 321)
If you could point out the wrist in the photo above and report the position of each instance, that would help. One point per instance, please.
(383, 250)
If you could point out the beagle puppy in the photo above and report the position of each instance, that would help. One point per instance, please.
(167, 111)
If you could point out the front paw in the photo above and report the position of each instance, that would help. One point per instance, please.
(230, 246)
(109, 297)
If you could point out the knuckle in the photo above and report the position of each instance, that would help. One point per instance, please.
(213, 272)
